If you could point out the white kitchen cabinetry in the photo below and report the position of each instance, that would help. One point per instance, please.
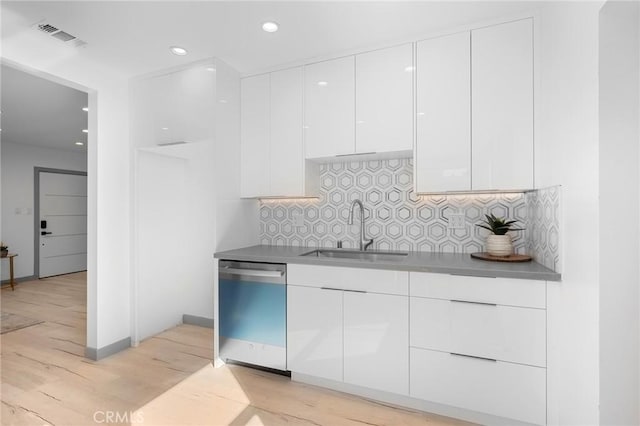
(484, 335)
(174, 107)
(493, 331)
(273, 163)
(314, 331)
(443, 114)
(375, 341)
(254, 145)
(503, 389)
(329, 108)
(287, 163)
(372, 336)
(502, 106)
(384, 100)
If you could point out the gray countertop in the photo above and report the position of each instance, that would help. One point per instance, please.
(443, 263)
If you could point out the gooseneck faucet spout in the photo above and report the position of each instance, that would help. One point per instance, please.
(364, 243)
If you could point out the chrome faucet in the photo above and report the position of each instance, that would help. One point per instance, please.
(364, 243)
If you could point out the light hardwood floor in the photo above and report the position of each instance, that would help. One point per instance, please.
(167, 380)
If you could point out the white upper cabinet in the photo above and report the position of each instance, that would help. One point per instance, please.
(286, 155)
(174, 107)
(443, 114)
(384, 100)
(329, 108)
(255, 130)
(502, 106)
(272, 150)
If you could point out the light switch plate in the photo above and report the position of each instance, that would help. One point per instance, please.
(457, 221)
(298, 219)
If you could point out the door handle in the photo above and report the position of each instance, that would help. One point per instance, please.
(45, 233)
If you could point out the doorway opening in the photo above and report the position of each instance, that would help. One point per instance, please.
(44, 154)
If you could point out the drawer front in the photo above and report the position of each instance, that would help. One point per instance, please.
(358, 279)
(498, 388)
(499, 332)
(502, 291)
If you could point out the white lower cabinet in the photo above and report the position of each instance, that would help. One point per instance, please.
(339, 326)
(376, 343)
(314, 332)
(473, 344)
(502, 389)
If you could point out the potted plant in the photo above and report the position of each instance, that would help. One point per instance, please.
(499, 242)
(4, 250)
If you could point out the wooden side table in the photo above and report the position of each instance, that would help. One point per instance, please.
(10, 256)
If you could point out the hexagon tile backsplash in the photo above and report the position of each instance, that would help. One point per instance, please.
(398, 219)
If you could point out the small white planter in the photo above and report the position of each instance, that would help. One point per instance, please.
(499, 245)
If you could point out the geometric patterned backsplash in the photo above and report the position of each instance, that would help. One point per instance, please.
(543, 223)
(396, 218)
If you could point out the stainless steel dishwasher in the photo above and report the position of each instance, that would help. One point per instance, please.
(253, 313)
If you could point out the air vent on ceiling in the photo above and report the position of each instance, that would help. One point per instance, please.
(47, 28)
(57, 33)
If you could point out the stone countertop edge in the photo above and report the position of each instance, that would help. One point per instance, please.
(442, 263)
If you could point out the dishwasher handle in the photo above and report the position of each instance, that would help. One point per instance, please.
(252, 273)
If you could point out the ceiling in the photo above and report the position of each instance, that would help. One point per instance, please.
(39, 112)
(132, 37)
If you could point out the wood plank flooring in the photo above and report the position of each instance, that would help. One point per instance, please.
(167, 380)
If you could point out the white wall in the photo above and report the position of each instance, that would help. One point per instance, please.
(162, 263)
(108, 287)
(176, 235)
(567, 154)
(619, 212)
(18, 161)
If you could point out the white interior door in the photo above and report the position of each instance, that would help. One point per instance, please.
(63, 226)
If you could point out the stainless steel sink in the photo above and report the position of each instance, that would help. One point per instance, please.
(358, 255)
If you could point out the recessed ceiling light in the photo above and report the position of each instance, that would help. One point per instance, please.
(322, 83)
(165, 128)
(85, 130)
(270, 27)
(177, 50)
(409, 68)
(212, 69)
(79, 143)
(85, 109)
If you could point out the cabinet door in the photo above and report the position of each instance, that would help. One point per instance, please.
(384, 100)
(443, 117)
(502, 106)
(254, 146)
(329, 108)
(376, 341)
(286, 156)
(174, 107)
(314, 331)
